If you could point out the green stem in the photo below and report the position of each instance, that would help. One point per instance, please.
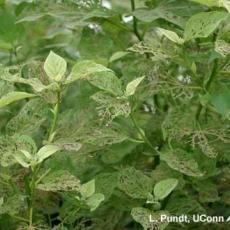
(34, 170)
(213, 75)
(208, 85)
(19, 218)
(135, 29)
(140, 131)
(32, 191)
(42, 176)
(55, 118)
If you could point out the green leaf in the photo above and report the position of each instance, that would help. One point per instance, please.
(179, 205)
(106, 183)
(45, 152)
(98, 75)
(171, 35)
(107, 82)
(208, 192)
(9, 31)
(91, 50)
(55, 66)
(117, 152)
(208, 2)
(1, 201)
(88, 189)
(17, 2)
(118, 55)
(203, 24)
(218, 3)
(226, 4)
(173, 11)
(146, 15)
(84, 69)
(14, 96)
(31, 18)
(181, 161)
(132, 86)
(94, 201)
(22, 159)
(221, 101)
(163, 188)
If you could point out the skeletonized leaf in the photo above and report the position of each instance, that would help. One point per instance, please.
(55, 66)
(132, 185)
(45, 152)
(10, 149)
(145, 217)
(35, 83)
(163, 188)
(180, 160)
(142, 215)
(60, 180)
(28, 120)
(14, 96)
(68, 145)
(110, 107)
(12, 205)
(203, 24)
(132, 86)
(222, 47)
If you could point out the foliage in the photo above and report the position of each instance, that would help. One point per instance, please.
(112, 111)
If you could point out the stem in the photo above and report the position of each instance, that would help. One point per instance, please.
(34, 170)
(210, 80)
(140, 131)
(11, 56)
(208, 85)
(32, 190)
(18, 218)
(135, 29)
(55, 118)
(42, 176)
(213, 75)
